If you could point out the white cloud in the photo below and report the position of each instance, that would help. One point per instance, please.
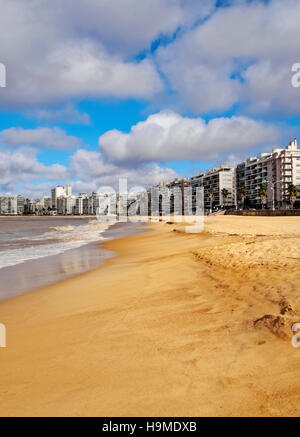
(87, 172)
(85, 48)
(143, 176)
(79, 69)
(129, 26)
(92, 171)
(242, 54)
(35, 191)
(166, 136)
(162, 137)
(66, 114)
(43, 138)
(21, 166)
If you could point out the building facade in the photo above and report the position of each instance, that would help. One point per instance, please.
(218, 179)
(8, 205)
(56, 193)
(277, 170)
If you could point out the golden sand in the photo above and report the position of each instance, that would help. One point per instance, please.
(177, 324)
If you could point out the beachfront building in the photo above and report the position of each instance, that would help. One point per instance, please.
(138, 203)
(170, 198)
(189, 196)
(46, 203)
(20, 204)
(196, 184)
(29, 207)
(129, 203)
(68, 190)
(285, 168)
(178, 197)
(8, 205)
(69, 205)
(63, 201)
(217, 179)
(89, 204)
(66, 205)
(251, 174)
(277, 170)
(94, 203)
(38, 207)
(56, 193)
(79, 203)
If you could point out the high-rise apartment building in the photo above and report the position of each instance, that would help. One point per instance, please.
(68, 190)
(8, 205)
(46, 203)
(57, 192)
(60, 192)
(79, 204)
(20, 204)
(217, 179)
(277, 170)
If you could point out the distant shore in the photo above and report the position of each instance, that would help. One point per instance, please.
(177, 324)
(49, 216)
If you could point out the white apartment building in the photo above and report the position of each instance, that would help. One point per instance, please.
(251, 174)
(8, 205)
(284, 167)
(46, 202)
(277, 170)
(66, 205)
(218, 179)
(80, 204)
(94, 203)
(196, 183)
(69, 205)
(57, 192)
(20, 204)
(61, 192)
(168, 197)
(68, 190)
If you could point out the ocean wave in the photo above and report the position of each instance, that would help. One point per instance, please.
(62, 238)
(62, 228)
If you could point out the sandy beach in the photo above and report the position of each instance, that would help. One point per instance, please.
(176, 325)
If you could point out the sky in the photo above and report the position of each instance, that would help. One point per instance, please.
(147, 90)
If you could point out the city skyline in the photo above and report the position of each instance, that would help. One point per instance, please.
(277, 170)
(146, 102)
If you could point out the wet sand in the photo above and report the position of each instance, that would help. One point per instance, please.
(177, 324)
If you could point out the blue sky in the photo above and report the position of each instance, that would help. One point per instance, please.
(95, 92)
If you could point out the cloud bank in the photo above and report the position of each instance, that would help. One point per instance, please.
(86, 48)
(167, 136)
(43, 138)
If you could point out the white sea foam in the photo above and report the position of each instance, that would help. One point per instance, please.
(62, 238)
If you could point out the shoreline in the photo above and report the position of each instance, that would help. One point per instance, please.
(36, 273)
(48, 216)
(176, 324)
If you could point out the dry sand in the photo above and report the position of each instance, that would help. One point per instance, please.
(177, 324)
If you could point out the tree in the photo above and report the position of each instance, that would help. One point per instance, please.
(293, 193)
(211, 196)
(243, 193)
(225, 194)
(263, 192)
